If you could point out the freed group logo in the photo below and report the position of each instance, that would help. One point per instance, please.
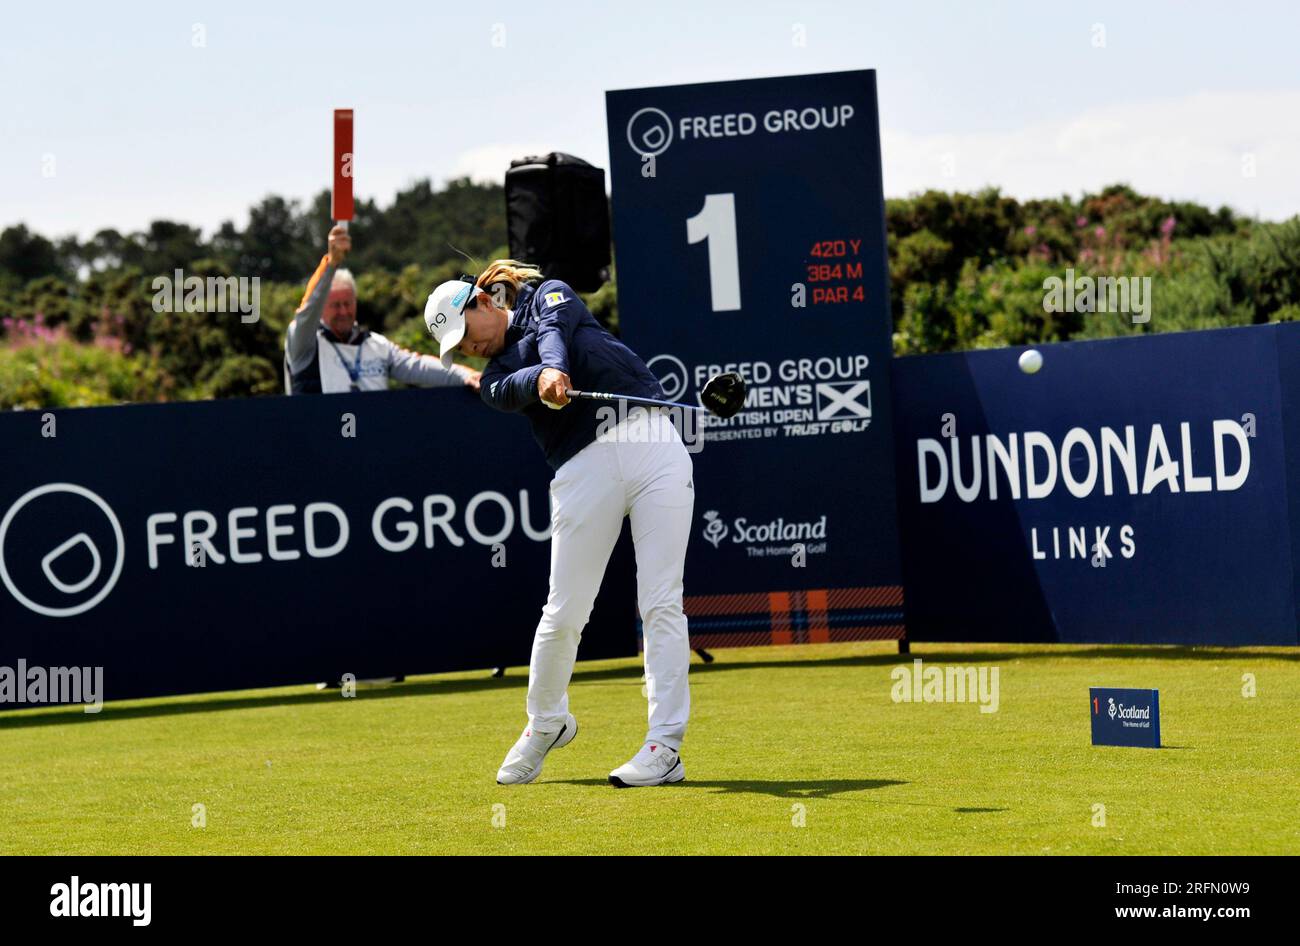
(56, 569)
(650, 130)
(808, 396)
(62, 547)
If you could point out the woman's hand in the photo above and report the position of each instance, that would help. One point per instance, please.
(552, 384)
(472, 379)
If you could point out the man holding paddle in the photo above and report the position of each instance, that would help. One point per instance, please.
(327, 352)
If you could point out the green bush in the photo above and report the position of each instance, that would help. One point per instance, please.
(64, 373)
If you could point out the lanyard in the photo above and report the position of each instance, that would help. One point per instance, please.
(354, 371)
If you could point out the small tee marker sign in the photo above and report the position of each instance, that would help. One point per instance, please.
(1125, 717)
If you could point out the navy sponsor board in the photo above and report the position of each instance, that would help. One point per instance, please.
(1135, 490)
(1125, 717)
(749, 230)
(421, 544)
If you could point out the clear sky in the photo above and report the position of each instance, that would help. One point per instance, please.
(114, 115)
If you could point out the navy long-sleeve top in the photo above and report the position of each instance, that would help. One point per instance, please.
(551, 327)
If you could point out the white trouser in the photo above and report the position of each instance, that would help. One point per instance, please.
(612, 477)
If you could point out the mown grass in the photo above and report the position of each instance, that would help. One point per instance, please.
(778, 737)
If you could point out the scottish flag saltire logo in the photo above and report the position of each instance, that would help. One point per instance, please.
(843, 399)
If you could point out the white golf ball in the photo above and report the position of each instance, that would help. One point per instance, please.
(1031, 361)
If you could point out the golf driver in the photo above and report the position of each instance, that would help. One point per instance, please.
(722, 395)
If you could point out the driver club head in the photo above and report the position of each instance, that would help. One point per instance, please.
(724, 394)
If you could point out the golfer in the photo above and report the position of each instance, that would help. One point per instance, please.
(542, 341)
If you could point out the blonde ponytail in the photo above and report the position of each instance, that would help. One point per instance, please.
(510, 276)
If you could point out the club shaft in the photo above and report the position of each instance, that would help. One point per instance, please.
(647, 401)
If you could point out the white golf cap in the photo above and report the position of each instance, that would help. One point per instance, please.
(444, 315)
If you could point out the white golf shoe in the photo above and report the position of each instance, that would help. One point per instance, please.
(524, 760)
(655, 764)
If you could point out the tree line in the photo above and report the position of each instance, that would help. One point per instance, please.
(966, 271)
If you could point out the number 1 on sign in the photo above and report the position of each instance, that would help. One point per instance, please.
(716, 222)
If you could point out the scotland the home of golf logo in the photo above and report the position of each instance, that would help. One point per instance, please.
(1132, 716)
(743, 531)
(715, 530)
